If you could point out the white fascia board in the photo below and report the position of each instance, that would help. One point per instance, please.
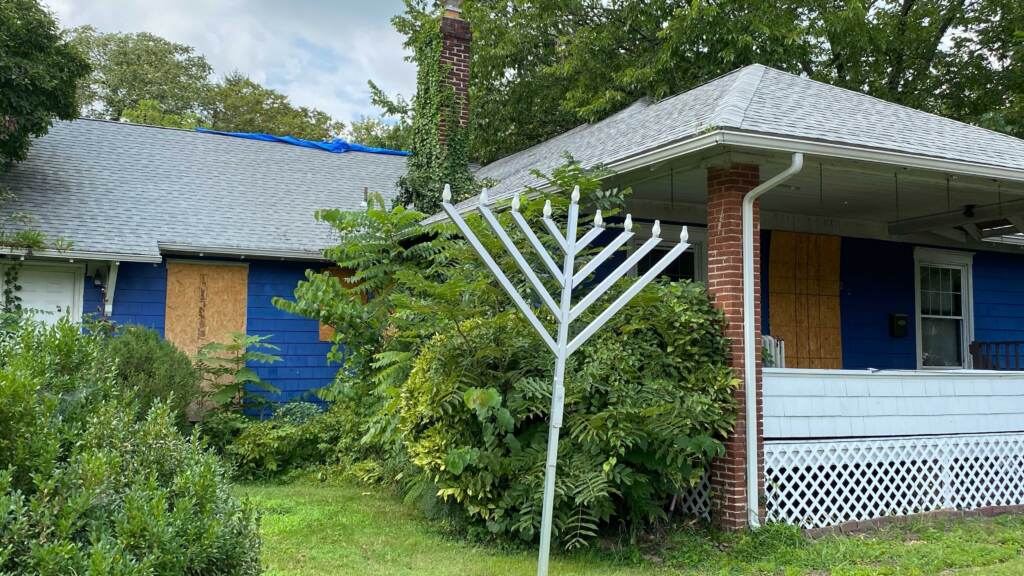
(851, 152)
(241, 253)
(79, 255)
(788, 144)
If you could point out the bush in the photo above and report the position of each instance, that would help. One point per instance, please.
(220, 429)
(646, 402)
(87, 488)
(449, 388)
(155, 371)
(296, 412)
(268, 448)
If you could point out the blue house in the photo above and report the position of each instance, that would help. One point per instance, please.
(868, 257)
(192, 234)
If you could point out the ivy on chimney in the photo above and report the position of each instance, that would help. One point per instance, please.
(440, 141)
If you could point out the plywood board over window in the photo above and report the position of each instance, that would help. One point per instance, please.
(205, 303)
(327, 331)
(803, 298)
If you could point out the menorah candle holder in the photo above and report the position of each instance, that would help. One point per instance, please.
(563, 311)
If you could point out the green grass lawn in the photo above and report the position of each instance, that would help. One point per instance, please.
(336, 529)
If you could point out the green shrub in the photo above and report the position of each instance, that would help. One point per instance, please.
(220, 429)
(269, 448)
(88, 488)
(449, 389)
(646, 403)
(296, 412)
(155, 371)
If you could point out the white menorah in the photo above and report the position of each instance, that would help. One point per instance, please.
(563, 311)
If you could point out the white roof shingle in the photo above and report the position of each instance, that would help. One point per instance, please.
(125, 189)
(760, 100)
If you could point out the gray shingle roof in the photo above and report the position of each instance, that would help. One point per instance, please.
(124, 189)
(762, 100)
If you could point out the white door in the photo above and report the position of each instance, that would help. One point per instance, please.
(51, 291)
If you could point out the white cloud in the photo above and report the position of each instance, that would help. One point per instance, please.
(319, 52)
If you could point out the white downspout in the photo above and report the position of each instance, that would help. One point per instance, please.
(749, 342)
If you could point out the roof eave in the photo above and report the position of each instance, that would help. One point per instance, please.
(171, 248)
(787, 144)
(847, 151)
(79, 255)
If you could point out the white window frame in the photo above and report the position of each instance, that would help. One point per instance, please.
(669, 238)
(77, 299)
(963, 261)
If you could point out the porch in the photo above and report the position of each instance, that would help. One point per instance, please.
(852, 445)
(892, 301)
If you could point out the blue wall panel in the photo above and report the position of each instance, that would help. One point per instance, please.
(92, 300)
(140, 296)
(303, 367)
(876, 278)
(998, 296)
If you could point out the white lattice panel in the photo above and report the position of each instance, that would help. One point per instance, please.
(696, 502)
(822, 483)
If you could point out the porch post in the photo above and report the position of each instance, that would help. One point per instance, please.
(726, 187)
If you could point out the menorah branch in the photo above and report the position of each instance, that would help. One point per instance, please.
(610, 280)
(502, 278)
(626, 296)
(538, 246)
(521, 262)
(604, 254)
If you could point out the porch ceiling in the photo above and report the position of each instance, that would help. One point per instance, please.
(897, 200)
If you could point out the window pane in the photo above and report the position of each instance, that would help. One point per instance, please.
(681, 269)
(926, 278)
(956, 281)
(941, 342)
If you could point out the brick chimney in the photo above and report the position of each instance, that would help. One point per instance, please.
(456, 36)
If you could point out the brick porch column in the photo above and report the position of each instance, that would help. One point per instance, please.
(726, 187)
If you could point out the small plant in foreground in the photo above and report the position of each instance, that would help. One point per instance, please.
(225, 368)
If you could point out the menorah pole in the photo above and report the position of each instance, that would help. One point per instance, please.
(558, 386)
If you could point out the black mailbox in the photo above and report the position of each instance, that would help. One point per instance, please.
(898, 325)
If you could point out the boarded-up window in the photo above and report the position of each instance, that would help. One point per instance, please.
(205, 303)
(327, 332)
(803, 298)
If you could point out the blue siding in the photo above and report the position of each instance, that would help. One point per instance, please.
(876, 278)
(140, 296)
(303, 367)
(92, 300)
(998, 296)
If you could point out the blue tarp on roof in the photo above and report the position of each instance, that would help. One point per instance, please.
(336, 146)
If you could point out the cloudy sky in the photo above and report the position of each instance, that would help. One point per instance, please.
(318, 52)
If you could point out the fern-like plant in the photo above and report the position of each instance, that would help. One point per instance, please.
(225, 369)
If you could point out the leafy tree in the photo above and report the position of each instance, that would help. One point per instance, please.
(150, 112)
(39, 70)
(130, 68)
(543, 67)
(374, 132)
(240, 104)
(396, 135)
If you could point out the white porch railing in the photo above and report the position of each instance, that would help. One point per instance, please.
(861, 403)
(849, 445)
